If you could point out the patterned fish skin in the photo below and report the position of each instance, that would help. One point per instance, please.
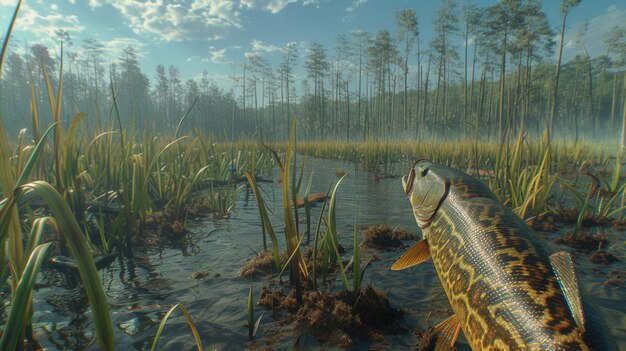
(495, 271)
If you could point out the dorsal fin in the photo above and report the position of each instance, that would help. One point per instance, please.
(447, 332)
(563, 267)
(417, 254)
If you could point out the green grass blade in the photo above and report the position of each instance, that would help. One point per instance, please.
(265, 220)
(291, 231)
(333, 235)
(617, 172)
(190, 321)
(35, 233)
(33, 157)
(316, 241)
(79, 250)
(18, 315)
(182, 119)
(356, 262)
(250, 314)
(293, 254)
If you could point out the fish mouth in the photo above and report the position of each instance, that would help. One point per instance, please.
(407, 181)
(404, 184)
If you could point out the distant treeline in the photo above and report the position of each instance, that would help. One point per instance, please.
(388, 85)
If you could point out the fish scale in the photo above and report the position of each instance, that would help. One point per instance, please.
(495, 270)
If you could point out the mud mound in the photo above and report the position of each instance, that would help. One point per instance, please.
(382, 236)
(582, 241)
(261, 265)
(365, 314)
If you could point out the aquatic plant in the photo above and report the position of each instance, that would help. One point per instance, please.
(24, 262)
(253, 326)
(24, 273)
(522, 175)
(296, 262)
(190, 322)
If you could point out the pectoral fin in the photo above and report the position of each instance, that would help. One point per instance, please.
(447, 332)
(563, 267)
(417, 254)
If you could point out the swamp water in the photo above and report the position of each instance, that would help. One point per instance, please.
(141, 290)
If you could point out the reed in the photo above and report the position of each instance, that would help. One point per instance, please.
(297, 265)
(190, 323)
(24, 273)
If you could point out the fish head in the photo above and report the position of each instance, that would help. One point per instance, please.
(426, 189)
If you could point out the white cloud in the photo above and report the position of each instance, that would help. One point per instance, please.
(95, 3)
(595, 35)
(260, 46)
(218, 56)
(197, 58)
(11, 3)
(179, 21)
(113, 48)
(46, 25)
(273, 6)
(355, 4)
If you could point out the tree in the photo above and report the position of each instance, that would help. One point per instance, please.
(408, 35)
(317, 65)
(533, 39)
(566, 7)
(133, 87)
(162, 92)
(471, 17)
(445, 52)
(257, 67)
(290, 54)
(504, 19)
(192, 93)
(362, 40)
(93, 51)
(616, 42)
(15, 102)
(343, 52)
(382, 53)
(175, 91)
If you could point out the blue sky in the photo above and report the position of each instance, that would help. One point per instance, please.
(197, 35)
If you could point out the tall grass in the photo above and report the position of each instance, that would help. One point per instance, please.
(521, 171)
(326, 239)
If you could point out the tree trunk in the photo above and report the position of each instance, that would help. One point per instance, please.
(502, 85)
(623, 143)
(555, 98)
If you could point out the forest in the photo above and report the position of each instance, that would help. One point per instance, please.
(389, 85)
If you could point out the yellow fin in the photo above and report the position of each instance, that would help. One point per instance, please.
(447, 332)
(417, 254)
(563, 267)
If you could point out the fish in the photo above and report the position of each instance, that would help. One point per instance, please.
(505, 287)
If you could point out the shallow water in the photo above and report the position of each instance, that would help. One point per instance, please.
(142, 289)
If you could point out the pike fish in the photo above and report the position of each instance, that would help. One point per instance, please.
(507, 291)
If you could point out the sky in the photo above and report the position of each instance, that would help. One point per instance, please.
(215, 35)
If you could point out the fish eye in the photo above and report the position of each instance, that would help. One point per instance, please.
(424, 172)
